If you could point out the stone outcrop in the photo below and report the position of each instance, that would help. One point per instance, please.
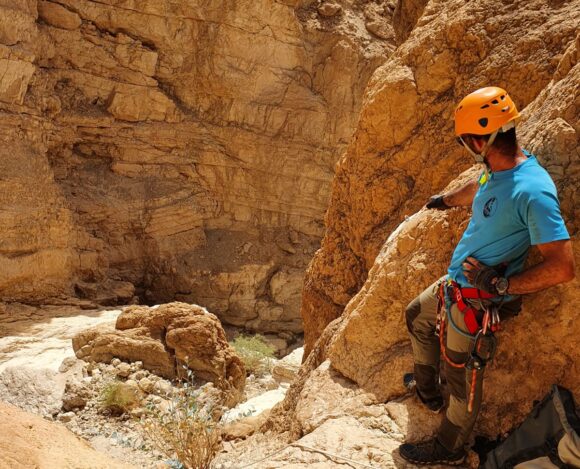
(166, 339)
(27, 440)
(404, 149)
(381, 248)
(402, 152)
(184, 148)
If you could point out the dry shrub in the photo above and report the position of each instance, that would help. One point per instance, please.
(184, 429)
(255, 352)
(118, 398)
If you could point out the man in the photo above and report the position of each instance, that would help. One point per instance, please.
(514, 205)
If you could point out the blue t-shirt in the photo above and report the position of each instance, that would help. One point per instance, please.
(514, 209)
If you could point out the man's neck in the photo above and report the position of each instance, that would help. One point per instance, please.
(501, 162)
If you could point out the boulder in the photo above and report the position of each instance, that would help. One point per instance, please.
(285, 370)
(76, 395)
(34, 390)
(166, 339)
(243, 428)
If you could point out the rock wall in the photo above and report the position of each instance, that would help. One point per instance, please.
(176, 149)
(404, 148)
(403, 151)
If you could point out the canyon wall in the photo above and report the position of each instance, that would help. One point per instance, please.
(404, 148)
(381, 248)
(160, 150)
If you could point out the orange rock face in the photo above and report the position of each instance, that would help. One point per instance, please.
(27, 440)
(402, 152)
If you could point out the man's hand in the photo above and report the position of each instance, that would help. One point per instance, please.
(461, 197)
(437, 203)
(480, 275)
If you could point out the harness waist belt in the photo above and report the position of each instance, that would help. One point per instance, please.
(469, 312)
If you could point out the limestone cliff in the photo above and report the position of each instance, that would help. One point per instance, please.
(402, 152)
(404, 149)
(176, 149)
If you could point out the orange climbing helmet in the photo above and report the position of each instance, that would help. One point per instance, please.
(485, 111)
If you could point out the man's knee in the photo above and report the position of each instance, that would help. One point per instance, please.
(411, 312)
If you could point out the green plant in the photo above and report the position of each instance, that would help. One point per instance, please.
(119, 398)
(255, 352)
(185, 430)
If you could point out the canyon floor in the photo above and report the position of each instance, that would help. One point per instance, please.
(38, 365)
(38, 369)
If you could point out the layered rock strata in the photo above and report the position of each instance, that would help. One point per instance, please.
(176, 150)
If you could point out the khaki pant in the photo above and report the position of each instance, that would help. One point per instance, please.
(421, 315)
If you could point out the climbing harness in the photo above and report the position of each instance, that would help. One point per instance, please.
(484, 342)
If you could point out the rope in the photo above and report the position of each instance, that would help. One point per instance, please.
(308, 448)
(336, 456)
(267, 457)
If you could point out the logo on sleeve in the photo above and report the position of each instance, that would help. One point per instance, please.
(490, 207)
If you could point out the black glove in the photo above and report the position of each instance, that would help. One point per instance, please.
(480, 275)
(437, 203)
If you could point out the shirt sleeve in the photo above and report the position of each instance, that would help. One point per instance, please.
(544, 218)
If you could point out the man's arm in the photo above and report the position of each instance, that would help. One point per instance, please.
(461, 197)
(557, 267)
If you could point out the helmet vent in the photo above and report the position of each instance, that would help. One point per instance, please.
(502, 97)
(485, 106)
(483, 122)
(507, 108)
(495, 101)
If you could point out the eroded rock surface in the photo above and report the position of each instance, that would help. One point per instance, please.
(404, 148)
(27, 440)
(165, 339)
(403, 151)
(185, 148)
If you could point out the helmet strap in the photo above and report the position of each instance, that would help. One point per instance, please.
(481, 157)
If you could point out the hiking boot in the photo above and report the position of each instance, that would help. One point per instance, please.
(431, 452)
(434, 404)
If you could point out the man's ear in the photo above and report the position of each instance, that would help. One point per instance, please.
(477, 143)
